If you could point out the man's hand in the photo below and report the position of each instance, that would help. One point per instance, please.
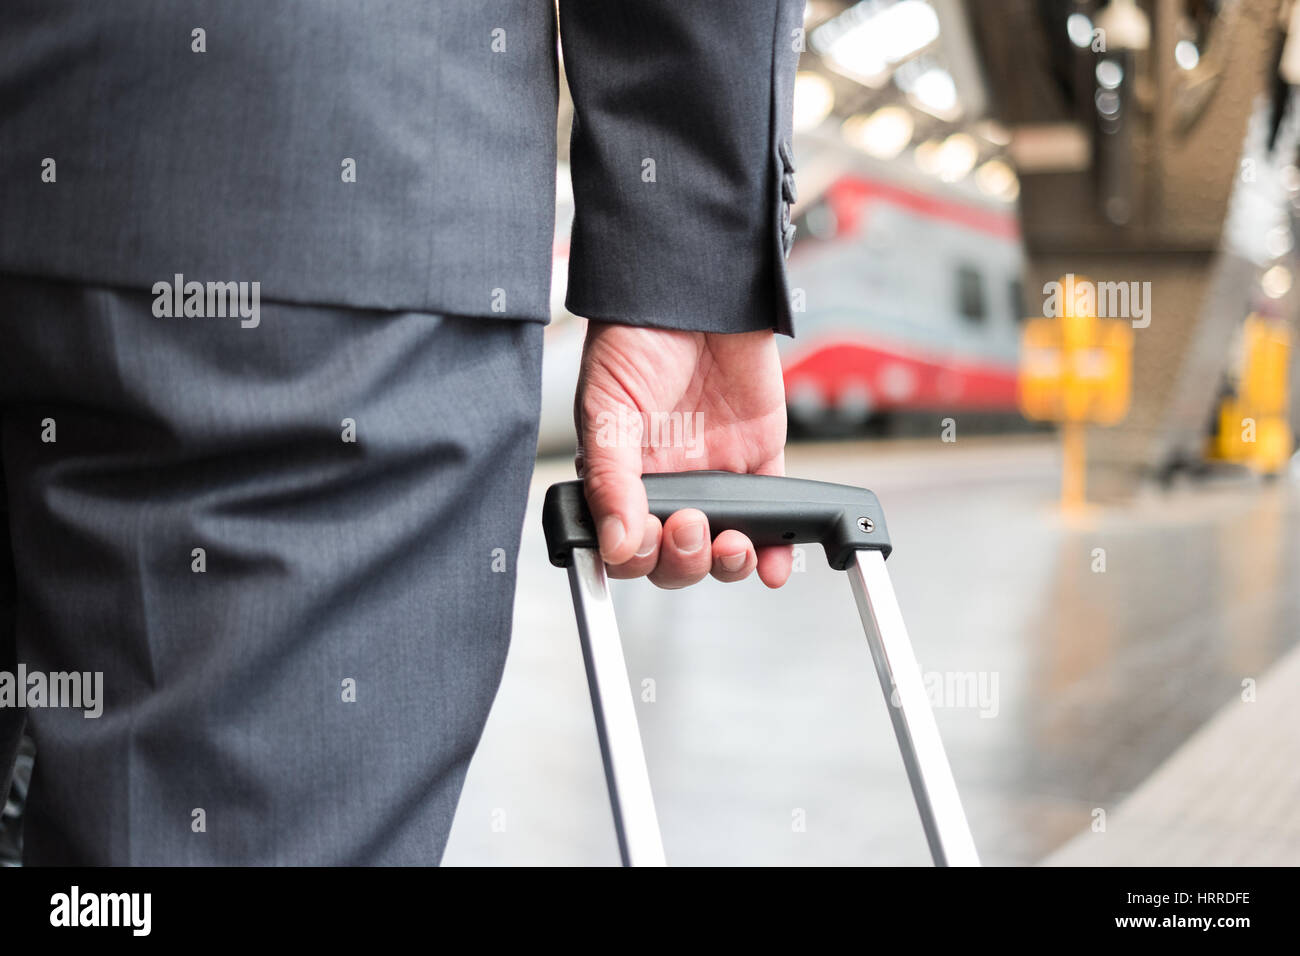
(654, 400)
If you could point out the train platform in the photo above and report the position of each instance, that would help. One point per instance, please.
(1227, 797)
(1082, 670)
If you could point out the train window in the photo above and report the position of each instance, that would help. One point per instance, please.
(819, 222)
(970, 294)
(1018, 311)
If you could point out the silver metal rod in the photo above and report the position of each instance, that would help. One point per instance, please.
(933, 786)
(613, 704)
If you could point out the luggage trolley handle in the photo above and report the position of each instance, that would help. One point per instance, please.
(850, 526)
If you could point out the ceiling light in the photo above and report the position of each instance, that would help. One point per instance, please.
(813, 100)
(935, 92)
(957, 157)
(1109, 75)
(1080, 29)
(1276, 282)
(884, 134)
(995, 178)
(926, 156)
(866, 40)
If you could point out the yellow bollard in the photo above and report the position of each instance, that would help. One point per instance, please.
(1254, 424)
(1076, 370)
(1074, 466)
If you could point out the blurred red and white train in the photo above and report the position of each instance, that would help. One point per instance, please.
(911, 303)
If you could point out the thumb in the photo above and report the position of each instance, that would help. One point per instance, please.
(611, 473)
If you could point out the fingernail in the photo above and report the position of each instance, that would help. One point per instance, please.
(611, 535)
(649, 541)
(733, 562)
(689, 538)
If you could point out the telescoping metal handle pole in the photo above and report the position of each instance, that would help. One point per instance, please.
(850, 526)
(630, 797)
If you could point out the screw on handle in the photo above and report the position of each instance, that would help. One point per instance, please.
(767, 509)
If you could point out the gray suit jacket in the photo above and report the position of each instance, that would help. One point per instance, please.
(229, 163)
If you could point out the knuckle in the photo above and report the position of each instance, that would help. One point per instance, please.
(600, 480)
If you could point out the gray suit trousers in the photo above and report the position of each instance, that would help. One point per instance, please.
(290, 551)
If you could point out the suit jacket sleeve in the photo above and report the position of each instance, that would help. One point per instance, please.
(681, 162)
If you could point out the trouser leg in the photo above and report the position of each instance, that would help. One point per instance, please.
(290, 550)
(12, 719)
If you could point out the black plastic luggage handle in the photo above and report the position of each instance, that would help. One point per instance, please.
(769, 510)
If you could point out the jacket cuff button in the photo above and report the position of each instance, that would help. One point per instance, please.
(787, 155)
